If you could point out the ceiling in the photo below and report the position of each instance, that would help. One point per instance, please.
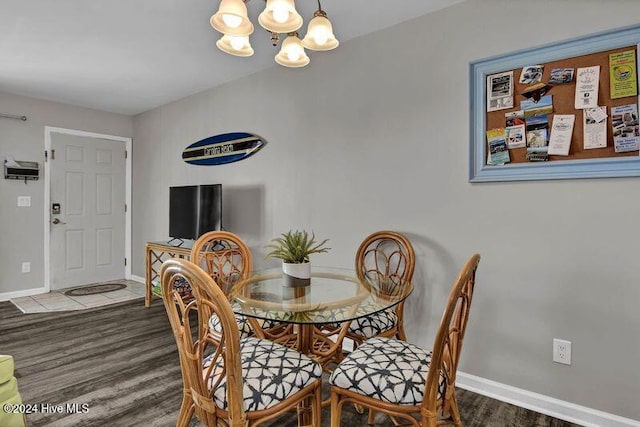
(129, 56)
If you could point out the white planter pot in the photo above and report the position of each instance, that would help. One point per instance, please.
(295, 275)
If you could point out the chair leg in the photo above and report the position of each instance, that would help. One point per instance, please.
(430, 422)
(317, 406)
(371, 419)
(400, 334)
(336, 409)
(213, 420)
(186, 411)
(454, 411)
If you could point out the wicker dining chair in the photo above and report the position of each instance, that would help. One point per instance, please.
(227, 259)
(228, 380)
(385, 258)
(404, 380)
(224, 256)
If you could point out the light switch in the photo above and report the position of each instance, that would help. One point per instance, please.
(24, 201)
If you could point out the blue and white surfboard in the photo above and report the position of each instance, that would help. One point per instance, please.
(224, 148)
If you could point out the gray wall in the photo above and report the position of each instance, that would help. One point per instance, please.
(21, 229)
(375, 135)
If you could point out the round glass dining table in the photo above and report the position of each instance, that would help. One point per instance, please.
(315, 317)
(332, 299)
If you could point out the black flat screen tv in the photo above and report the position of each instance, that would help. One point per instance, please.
(194, 210)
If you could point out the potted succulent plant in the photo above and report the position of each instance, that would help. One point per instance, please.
(294, 249)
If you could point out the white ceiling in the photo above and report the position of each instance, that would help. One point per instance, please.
(128, 56)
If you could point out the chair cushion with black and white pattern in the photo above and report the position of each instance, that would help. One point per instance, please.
(270, 373)
(367, 326)
(386, 369)
(243, 324)
(374, 324)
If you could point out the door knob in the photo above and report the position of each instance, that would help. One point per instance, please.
(57, 221)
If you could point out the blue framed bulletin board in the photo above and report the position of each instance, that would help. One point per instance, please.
(580, 52)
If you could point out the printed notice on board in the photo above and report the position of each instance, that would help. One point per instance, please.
(500, 91)
(498, 152)
(622, 71)
(560, 76)
(515, 129)
(624, 121)
(594, 132)
(561, 131)
(587, 80)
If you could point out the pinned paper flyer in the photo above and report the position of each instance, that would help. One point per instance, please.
(498, 152)
(560, 76)
(623, 81)
(500, 91)
(597, 114)
(594, 133)
(515, 129)
(626, 132)
(587, 80)
(561, 132)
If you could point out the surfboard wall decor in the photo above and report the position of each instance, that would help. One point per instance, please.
(224, 148)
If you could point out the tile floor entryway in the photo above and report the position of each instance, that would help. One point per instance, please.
(58, 301)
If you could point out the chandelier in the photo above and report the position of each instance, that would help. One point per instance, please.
(278, 17)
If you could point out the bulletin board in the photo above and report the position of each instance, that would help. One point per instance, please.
(580, 163)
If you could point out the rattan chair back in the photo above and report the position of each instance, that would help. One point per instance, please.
(448, 344)
(224, 256)
(195, 343)
(387, 259)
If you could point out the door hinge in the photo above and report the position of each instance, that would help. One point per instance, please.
(126, 154)
(46, 155)
(125, 207)
(125, 261)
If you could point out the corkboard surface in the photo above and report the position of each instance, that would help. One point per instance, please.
(563, 103)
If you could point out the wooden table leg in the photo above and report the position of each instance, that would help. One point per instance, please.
(305, 344)
(147, 280)
(305, 338)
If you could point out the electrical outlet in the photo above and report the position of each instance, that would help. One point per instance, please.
(26, 267)
(24, 201)
(562, 351)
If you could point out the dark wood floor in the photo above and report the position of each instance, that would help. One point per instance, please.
(121, 360)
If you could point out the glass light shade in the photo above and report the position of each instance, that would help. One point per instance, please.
(320, 33)
(280, 16)
(235, 45)
(231, 19)
(292, 53)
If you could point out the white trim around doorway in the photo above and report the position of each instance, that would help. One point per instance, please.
(48, 131)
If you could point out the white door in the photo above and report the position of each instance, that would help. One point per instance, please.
(87, 240)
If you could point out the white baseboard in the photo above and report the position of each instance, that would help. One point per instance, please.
(138, 279)
(556, 408)
(6, 296)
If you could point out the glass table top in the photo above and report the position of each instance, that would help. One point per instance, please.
(333, 296)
